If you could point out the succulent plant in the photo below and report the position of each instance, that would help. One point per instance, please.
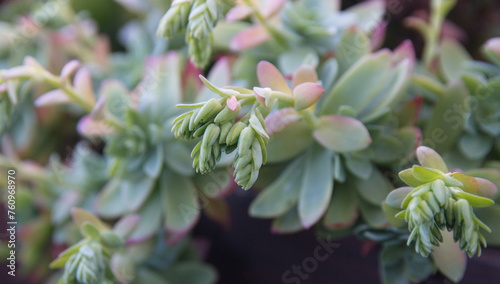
(438, 200)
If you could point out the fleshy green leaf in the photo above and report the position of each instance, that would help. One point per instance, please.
(341, 134)
(449, 259)
(281, 195)
(425, 174)
(452, 59)
(343, 209)
(431, 159)
(289, 142)
(178, 158)
(396, 197)
(475, 200)
(373, 190)
(316, 186)
(373, 70)
(288, 223)
(445, 125)
(179, 202)
(407, 177)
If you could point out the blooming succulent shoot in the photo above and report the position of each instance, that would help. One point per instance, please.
(437, 199)
(221, 129)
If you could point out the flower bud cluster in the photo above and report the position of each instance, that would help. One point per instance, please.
(216, 122)
(435, 206)
(200, 17)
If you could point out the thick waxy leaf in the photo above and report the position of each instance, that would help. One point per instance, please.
(154, 163)
(110, 201)
(431, 159)
(135, 191)
(238, 12)
(343, 210)
(373, 190)
(150, 215)
(475, 200)
(53, 97)
(452, 59)
(373, 215)
(316, 185)
(390, 95)
(470, 184)
(449, 259)
(396, 197)
(178, 158)
(290, 60)
(288, 223)
(475, 146)
(83, 85)
(289, 141)
(307, 94)
(81, 216)
(270, 77)
(354, 45)
(280, 196)
(341, 134)
(116, 99)
(425, 174)
(373, 70)
(359, 166)
(407, 177)
(486, 188)
(445, 125)
(126, 225)
(249, 37)
(63, 257)
(179, 202)
(303, 74)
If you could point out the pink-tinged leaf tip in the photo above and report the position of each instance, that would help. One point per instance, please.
(269, 76)
(83, 84)
(378, 36)
(54, 97)
(249, 38)
(271, 7)
(69, 69)
(307, 94)
(238, 12)
(303, 74)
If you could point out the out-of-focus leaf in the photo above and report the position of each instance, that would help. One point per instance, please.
(449, 259)
(289, 142)
(178, 158)
(396, 197)
(343, 210)
(452, 58)
(316, 185)
(373, 190)
(288, 223)
(354, 44)
(445, 124)
(280, 196)
(191, 272)
(179, 202)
